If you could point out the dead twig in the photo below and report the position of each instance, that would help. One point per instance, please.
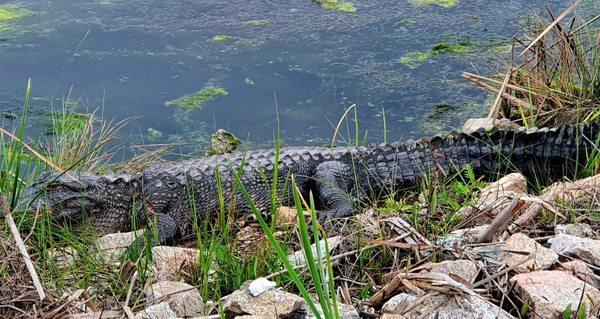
(19, 242)
(337, 127)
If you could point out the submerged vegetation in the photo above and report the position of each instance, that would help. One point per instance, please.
(10, 13)
(197, 100)
(442, 3)
(343, 6)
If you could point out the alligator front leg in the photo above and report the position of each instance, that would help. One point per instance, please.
(334, 181)
(164, 225)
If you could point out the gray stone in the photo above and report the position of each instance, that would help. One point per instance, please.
(544, 257)
(112, 246)
(184, 299)
(465, 269)
(459, 237)
(274, 303)
(582, 271)
(579, 230)
(443, 307)
(168, 263)
(551, 292)
(159, 311)
(585, 249)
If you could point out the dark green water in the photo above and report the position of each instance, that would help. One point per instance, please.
(134, 56)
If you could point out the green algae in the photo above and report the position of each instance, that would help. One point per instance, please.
(414, 59)
(334, 5)
(442, 3)
(255, 23)
(223, 38)
(456, 48)
(12, 12)
(154, 134)
(197, 100)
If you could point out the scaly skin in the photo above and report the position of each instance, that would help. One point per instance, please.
(177, 195)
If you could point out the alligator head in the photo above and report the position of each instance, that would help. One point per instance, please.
(103, 201)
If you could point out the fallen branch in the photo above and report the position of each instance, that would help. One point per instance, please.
(21, 246)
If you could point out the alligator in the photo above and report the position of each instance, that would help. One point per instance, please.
(176, 195)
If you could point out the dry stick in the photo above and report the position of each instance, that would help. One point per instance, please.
(552, 25)
(500, 221)
(337, 127)
(475, 77)
(495, 109)
(37, 154)
(22, 249)
(505, 95)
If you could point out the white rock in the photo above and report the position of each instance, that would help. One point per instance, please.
(273, 303)
(182, 298)
(499, 194)
(585, 249)
(579, 230)
(297, 258)
(474, 124)
(443, 307)
(459, 237)
(260, 285)
(544, 257)
(159, 311)
(169, 262)
(112, 246)
(465, 269)
(551, 292)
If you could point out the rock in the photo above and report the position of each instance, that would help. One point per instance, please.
(368, 224)
(286, 215)
(159, 311)
(260, 285)
(346, 311)
(182, 298)
(544, 257)
(223, 142)
(297, 258)
(112, 246)
(169, 262)
(388, 316)
(582, 271)
(442, 306)
(490, 250)
(550, 292)
(497, 195)
(466, 270)
(64, 257)
(274, 303)
(459, 237)
(579, 230)
(486, 124)
(473, 125)
(585, 249)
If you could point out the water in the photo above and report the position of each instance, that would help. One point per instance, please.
(307, 62)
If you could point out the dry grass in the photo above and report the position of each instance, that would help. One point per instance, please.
(556, 80)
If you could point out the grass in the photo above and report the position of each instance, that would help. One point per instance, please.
(555, 81)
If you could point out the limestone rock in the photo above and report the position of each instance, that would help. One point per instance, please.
(443, 307)
(579, 230)
(169, 262)
(112, 246)
(551, 292)
(459, 237)
(274, 303)
(544, 257)
(486, 124)
(159, 311)
(465, 269)
(490, 250)
(497, 195)
(64, 257)
(182, 298)
(297, 258)
(585, 249)
(260, 285)
(582, 271)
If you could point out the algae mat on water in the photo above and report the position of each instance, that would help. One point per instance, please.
(199, 99)
(443, 3)
(10, 13)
